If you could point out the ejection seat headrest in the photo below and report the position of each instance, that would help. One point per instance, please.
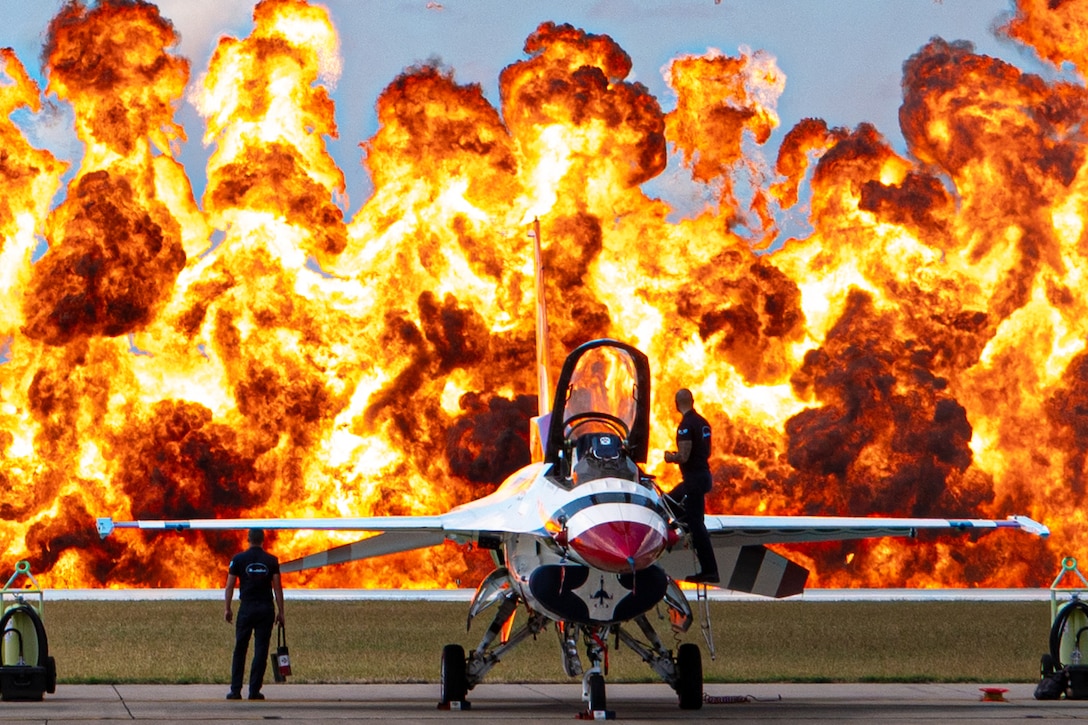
(602, 446)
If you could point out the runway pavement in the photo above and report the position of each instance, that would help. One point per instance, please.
(528, 703)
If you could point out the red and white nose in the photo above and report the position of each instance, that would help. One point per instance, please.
(617, 537)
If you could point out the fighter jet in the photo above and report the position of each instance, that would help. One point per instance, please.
(585, 541)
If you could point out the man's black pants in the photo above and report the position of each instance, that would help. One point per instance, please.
(254, 619)
(690, 494)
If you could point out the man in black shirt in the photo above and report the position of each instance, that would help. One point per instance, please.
(257, 574)
(693, 455)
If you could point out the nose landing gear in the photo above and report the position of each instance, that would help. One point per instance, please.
(593, 680)
(594, 697)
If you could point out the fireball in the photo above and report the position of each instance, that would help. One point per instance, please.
(256, 353)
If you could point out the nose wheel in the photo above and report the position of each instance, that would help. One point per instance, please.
(593, 681)
(593, 691)
(594, 697)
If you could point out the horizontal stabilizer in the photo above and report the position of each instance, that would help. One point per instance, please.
(758, 570)
(391, 542)
(751, 569)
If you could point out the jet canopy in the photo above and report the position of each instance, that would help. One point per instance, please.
(602, 406)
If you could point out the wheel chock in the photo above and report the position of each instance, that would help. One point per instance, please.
(596, 715)
(455, 705)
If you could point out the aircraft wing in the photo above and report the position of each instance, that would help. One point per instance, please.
(757, 530)
(747, 565)
(393, 534)
(389, 542)
(106, 526)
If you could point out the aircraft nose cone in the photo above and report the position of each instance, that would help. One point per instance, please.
(619, 546)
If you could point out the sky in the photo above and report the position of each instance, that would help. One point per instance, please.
(842, 60)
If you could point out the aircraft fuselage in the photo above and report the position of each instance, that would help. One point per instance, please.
(591, 557)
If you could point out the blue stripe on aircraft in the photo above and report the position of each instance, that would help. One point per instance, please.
(584, 502)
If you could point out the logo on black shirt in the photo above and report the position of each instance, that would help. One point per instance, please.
(257, 570)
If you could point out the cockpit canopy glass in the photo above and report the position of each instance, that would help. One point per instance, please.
(604, 382)
(603, 389)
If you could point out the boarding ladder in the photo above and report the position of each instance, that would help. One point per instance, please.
(701, 595)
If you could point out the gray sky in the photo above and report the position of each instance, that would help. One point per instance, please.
(842, 59)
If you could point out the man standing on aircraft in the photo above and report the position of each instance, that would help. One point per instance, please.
(693, 455)
(257, 574)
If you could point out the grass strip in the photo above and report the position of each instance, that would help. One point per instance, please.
(383, 641)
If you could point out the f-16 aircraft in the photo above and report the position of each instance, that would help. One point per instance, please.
(585, 541)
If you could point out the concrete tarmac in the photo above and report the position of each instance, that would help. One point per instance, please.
(540, 703)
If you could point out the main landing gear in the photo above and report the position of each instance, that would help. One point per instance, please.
(683, 672)
(454, 681)
(460, 673)
(689, 676)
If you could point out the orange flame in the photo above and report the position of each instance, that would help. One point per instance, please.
(920, 353)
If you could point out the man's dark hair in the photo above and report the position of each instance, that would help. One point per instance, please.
(256, 536)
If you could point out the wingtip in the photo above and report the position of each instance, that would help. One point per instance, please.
(105, 527)
(1031, 526)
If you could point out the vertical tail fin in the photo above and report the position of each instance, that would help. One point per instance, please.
(544, 386)
(538, 429)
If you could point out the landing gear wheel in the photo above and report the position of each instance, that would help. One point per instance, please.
(454, 681)
(597, 702)
(689, 676)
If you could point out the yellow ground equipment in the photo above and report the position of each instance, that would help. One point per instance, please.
(1064, 667)
(27, 671)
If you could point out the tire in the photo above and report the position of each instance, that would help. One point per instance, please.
(454, 681)
(689, 676)
(597, 700)
(50, 675)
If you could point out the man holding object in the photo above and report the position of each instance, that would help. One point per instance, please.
(257, 575)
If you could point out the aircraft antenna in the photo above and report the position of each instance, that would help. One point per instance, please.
(544, 387)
